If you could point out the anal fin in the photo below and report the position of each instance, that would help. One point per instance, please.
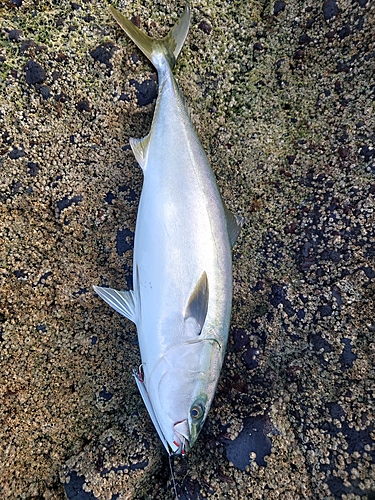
(140, 149)
(234, 225)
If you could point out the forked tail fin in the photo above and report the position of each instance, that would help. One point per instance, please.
(170, 45)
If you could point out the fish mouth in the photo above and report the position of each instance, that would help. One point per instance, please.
(181, 437)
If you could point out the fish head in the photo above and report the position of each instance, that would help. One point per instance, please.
(179, 391)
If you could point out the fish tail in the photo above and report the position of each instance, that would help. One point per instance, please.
(170, 45)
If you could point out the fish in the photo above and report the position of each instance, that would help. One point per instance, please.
(182, 264)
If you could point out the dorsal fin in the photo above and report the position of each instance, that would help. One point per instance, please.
(198, 302)
(140, 149)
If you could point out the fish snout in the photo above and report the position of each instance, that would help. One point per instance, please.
(181, 437)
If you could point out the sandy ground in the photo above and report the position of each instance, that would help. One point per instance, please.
(282, 96)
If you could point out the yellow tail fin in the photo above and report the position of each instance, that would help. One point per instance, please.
(170, 45)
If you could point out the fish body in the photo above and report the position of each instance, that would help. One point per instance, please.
(182, 266)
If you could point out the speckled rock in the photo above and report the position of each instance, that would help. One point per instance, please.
(282, 96)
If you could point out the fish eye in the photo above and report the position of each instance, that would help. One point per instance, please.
(197, 411)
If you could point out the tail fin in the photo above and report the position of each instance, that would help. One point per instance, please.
(170, 45)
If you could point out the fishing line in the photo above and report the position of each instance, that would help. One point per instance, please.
(172, 475)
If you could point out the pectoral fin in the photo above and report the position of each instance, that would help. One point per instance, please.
(122, 302)
(196, 309)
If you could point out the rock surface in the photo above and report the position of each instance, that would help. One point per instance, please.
(282, 96)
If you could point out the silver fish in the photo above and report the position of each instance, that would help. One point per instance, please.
(182, 267)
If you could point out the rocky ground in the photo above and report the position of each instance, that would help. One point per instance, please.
(282, 96)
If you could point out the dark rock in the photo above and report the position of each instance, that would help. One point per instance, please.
(105, 395)
(258, 46)
(335, 410)
(16, 3)
(205, 27)
(368, 152)
(45, 91)
(299, 54)
(135, 57)
(290, 228)
(336, 293)
(304, 39)
(83, 105)
(122, 244)
(16, 153)
(369, 272)
(320, 344)
(34, 73)
(325, 310)
(20, 273)
(74, 489)
(344, 32)
(26, 45)
(41, 328)
(67, 202)
(16, 187)
(75, 6)
(80, 292)
(252, 438)
(136, 20)
(109, 197)
(146, 91)
(330, 9)
(104, 53)
(15, 35)
(347, 357)
(33, 168)
(278, 7)
(250, 358)
(301, 313)
(42, 279)
(240, 338)
(88, 18)
(278, 296)
(124, 97)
